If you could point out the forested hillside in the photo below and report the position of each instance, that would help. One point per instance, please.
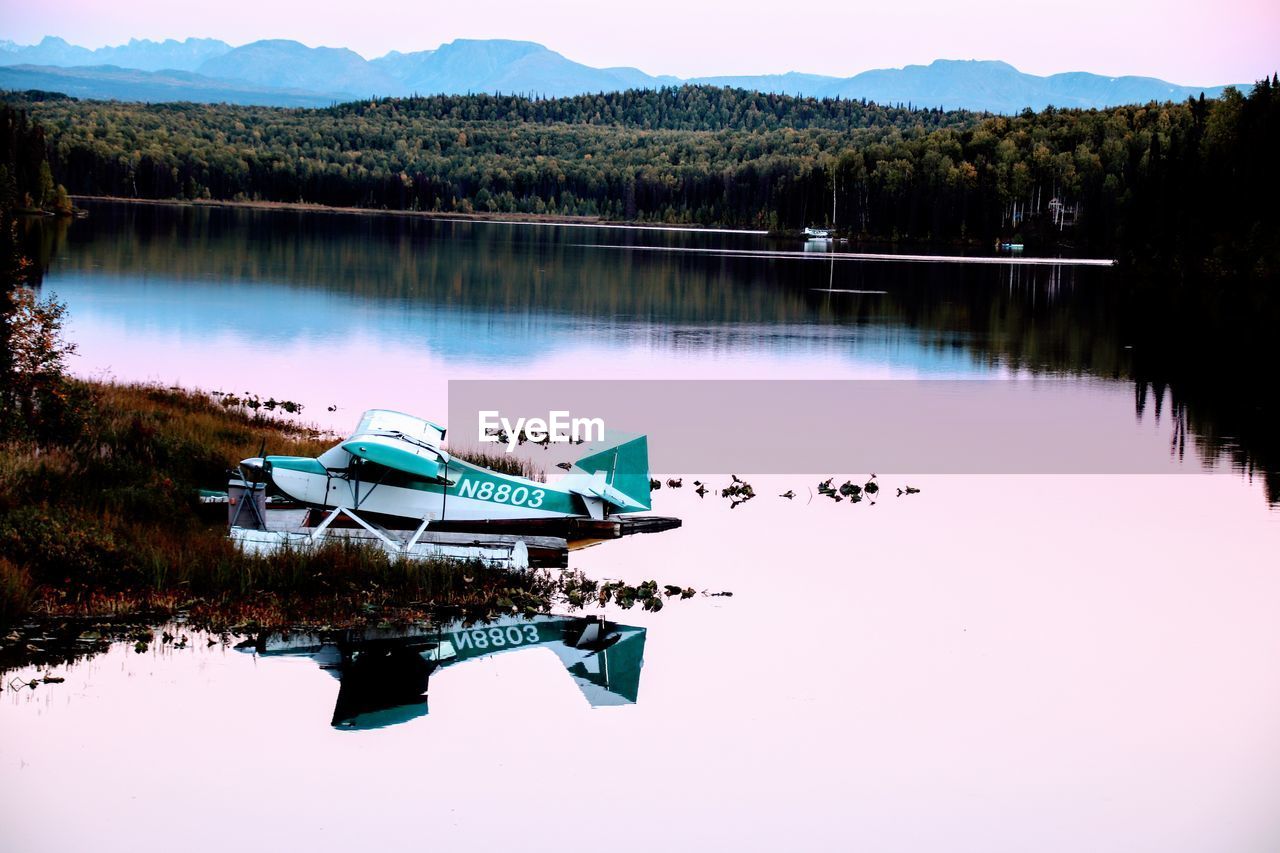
(686, 108)
(26, 179)
(26, 184)
(1147, 179)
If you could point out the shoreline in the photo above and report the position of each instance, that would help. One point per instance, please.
(439, 216)
(536, 219)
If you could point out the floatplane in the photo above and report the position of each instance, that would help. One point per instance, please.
(395, 467)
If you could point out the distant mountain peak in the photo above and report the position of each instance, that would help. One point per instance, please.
(499, 43)
(298, 73)
(290, 44)
(990, 63)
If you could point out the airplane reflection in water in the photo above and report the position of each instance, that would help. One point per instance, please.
(383, 673)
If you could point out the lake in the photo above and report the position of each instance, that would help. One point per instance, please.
(1000, 662)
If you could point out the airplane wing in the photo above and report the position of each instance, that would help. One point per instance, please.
(395, 452)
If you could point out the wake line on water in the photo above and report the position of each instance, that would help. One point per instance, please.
(839, 290)
(867, 256)
(617, 226)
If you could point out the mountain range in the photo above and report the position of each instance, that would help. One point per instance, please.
(280, 72)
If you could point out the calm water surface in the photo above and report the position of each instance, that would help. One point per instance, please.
(997, 663)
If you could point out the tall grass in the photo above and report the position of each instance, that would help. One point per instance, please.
(15, 591)
(503, 463)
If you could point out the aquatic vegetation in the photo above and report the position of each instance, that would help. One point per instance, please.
(47, 678)
(854, 492)
(253, 403)
(738, 491)
(579, 589)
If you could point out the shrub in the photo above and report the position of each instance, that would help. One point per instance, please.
(15, 591)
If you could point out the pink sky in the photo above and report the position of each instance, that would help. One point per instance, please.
(1228, 41)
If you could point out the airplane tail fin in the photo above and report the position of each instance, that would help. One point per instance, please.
(619, 474)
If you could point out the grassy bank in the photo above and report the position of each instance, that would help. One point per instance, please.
(99, 518)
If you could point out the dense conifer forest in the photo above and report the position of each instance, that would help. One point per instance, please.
(1188, 184)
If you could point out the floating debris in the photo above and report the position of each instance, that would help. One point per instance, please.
(674, 483)
(648, 594)
(851, 490)
(254, 403)
(654, 485)
(739, 491)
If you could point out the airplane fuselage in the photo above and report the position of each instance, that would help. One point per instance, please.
(471, 493)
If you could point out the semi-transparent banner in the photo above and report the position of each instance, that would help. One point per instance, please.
(1031, 426)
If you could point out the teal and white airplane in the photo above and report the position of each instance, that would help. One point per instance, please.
(394, 464)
